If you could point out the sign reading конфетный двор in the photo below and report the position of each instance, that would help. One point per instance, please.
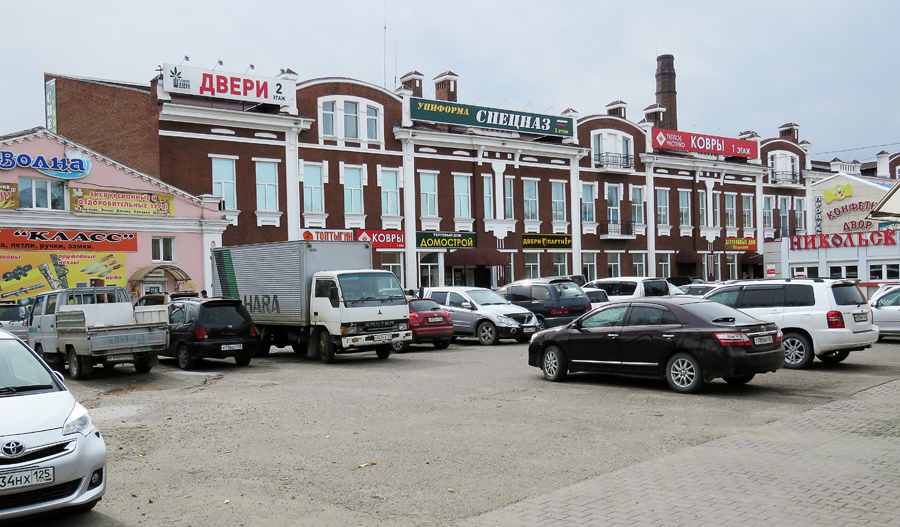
(496, 118)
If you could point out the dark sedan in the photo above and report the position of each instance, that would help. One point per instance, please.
(686, 340)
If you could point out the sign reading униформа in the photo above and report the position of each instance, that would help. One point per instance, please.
(227, 85)
(496, 118)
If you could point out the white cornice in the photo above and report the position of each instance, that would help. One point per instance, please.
(495, 144)
(219, 117)
(79, 221)
(685, 163)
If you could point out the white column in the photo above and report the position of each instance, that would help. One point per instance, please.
(292, 183)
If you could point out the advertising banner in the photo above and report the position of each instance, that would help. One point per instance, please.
(9, 195)
(99, 201)
(740, 244)
(25, 274)
(546, 241)
(383, 239)
(227, 85)
(327, 235)
(497, 118)
(50, 240)
(705, 144)
(449, 240)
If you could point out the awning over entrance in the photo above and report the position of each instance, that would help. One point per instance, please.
(751, 257)
(688, 256)
(474, 257)
(889, 206)
(175, 271)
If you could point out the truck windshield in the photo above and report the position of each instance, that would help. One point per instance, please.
(360, 289)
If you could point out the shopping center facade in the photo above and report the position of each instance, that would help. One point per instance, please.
(454, 193)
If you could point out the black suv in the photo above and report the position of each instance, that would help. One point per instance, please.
(554, 301)
(217, 328)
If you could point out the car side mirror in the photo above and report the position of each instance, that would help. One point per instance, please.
(466, 305)
(59, 377)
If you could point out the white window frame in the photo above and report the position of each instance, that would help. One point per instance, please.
(616, 209)
(701, 207)
(747, 213)
(394, 267)
(639, 263)
(509, 209)
(589, 265)
(462, 201)
(158, 249)
(339, 116)
(731, 209)
(769, 212)
(429, 199)
(612, 149)
(784, 212)
(684, 207)
(662, 206)
(532, 269)
(731, 263)
(390, 194)
(62, 185)
(357, 200)
(221, 188)
(560, 264)
(588, 206)
(558, 201)
(488, 186)
(800, 213)
(530, 205)
(269, 189)
(613, 264)
(638, 210)
(664, 264)
(716, 210)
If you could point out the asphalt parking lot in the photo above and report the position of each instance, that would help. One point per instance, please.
(424, 438)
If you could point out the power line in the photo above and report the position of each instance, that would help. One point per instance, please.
(854, 149)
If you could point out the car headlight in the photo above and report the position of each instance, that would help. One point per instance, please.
(79, 421)
(403, 325)
(506, 321)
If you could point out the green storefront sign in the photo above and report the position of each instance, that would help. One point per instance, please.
(546, 241)
(497, 118)
(448, 240)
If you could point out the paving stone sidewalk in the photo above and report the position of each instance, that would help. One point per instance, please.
(838, 464)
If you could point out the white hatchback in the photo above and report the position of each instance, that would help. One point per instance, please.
(820, 317)
(52, 457)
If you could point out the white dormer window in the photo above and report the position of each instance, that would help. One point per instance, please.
(351, 119)
(613, 149)
(784, 167)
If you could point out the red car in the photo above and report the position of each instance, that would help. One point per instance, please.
(429, 323)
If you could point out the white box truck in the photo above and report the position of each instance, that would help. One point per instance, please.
(321, 298)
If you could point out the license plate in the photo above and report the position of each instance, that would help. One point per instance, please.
(227, 347)
(121, 357)
(379, 338)
(860, 317)
(528, 330)
(26, 478)
(435, 319)
(763, 340)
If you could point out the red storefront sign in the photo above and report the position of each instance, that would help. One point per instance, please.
(707, 144)
(52, 240)
(383, 239)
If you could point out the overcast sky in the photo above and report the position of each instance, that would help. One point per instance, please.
(829, 66)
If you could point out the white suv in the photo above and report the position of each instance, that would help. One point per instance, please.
(819, 317)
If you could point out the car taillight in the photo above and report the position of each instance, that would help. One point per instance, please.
(413, 317)
(253, 332)
(779, 335)
(835, 320)
(201, 333)
(733, 339)
(559, 311)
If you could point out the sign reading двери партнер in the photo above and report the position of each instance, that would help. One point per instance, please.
(496, 118)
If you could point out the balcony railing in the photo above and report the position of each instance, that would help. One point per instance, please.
(623, 228)
(609, 160)
(786, 177)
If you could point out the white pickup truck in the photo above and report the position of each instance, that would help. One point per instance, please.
(95, 326)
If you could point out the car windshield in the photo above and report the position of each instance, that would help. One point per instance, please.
(568, 290)
(716, 313)
(20, 370)
(486, 297)
(847, 295)
(218, 315)
(423, 305)
(372, 288)
(12, 312)
(617, 288)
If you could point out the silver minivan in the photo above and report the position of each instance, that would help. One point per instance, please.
(482, 313)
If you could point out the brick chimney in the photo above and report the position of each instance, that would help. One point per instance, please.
(789, 131)
(654, 114)
(665, 91)
(413, 82)
(445, 86)
(616, 109)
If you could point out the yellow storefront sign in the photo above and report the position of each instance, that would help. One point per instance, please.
(25, 274)
(101, 201)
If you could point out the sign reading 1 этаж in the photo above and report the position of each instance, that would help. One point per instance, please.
(499, 119)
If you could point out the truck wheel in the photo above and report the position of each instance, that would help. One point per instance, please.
(383, 352)
(140, 366)
(326, 347)
(77, 369)
(185, 362)
(54, 360)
